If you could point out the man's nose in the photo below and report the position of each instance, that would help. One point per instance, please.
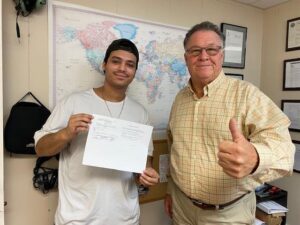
(203, 55)
(122, 66)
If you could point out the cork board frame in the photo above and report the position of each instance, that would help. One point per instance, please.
(158, 191)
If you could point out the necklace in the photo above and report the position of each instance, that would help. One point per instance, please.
(110, 111)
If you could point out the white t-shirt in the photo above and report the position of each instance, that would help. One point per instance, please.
(92, 195)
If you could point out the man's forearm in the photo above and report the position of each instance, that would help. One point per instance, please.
(51, 144)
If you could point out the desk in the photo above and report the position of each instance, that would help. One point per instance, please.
(280, 197)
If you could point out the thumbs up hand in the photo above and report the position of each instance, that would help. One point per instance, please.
(237, 157)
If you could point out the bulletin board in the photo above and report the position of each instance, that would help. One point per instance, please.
(157, 192)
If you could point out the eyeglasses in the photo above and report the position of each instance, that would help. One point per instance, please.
(211, 51)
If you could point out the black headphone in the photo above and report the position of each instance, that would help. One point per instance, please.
(45, 178)
(25, 7)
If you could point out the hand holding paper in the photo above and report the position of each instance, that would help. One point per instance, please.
(77, 123)
(117, 144)
(149, 177)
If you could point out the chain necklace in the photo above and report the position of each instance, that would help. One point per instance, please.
(110, 111)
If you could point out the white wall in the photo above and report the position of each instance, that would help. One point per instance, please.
(25, 67)
(1, 125)
(274, 38)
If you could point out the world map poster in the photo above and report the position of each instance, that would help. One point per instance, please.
(79, 37)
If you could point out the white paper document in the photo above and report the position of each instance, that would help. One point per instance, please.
(294, 34)
(117, 144)
(164, 168)
(292, 74)
(297, 157)
(259, 222)
(271, 207)
(234, 46)
(292, 110)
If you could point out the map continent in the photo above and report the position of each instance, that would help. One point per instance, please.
(80, 39)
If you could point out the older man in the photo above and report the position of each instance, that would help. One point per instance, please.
(226, 138)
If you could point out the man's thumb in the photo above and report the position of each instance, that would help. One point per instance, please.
(234, 130)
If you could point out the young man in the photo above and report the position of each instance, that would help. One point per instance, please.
(91, 195)
(226, 138)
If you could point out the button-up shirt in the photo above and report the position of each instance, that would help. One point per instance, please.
(198, 125)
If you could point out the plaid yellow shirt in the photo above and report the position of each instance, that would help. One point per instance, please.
(198, 125)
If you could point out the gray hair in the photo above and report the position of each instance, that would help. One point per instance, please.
(204, 26)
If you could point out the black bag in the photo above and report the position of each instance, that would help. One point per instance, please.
(25, 118)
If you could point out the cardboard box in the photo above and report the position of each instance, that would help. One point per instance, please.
(269, 219)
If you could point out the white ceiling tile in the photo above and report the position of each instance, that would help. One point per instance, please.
(263, 4)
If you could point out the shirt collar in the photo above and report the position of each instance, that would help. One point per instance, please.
(212, 87)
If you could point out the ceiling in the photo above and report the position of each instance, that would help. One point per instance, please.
(262, 4)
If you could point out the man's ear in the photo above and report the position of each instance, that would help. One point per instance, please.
(185, 57)
(222, 52)
(103, 67)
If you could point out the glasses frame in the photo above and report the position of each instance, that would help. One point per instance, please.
(218, 48)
